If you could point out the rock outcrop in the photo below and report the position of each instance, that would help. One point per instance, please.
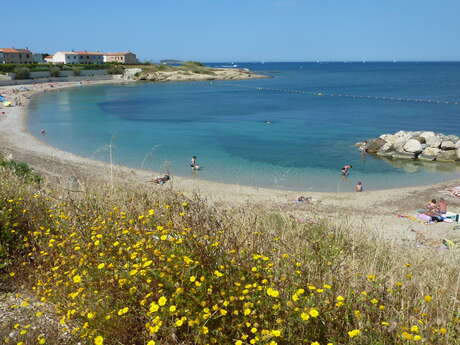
(423, 145)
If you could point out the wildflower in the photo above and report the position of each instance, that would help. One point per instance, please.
(76, 279)
(315, 343)
(238, 342)
(218, 274)
(276, 333)
(272, 292)
(305, 316)
(162, 301)
(427, 298)
(407, 336)
(314, 313)
(90, 315)
(205, 330)
(154, 307)
(101, 266)
(414, 329)
(374, 301)
(172, 308)
(354, 333)
(417, 338)
(41, 340)
(98, 340)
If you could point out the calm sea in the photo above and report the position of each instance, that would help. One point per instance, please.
(306, 141)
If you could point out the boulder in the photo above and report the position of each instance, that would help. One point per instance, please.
(419, 138)
(457, 144)
(447, 156)
(386, 147)
(433, 141)
(427, 134)
(399, 143)
(453, 138)
(413, 146)
(427, 158)
(431, 151)
(403, 155)
(374, 145)
(385, 153)
(447, 145)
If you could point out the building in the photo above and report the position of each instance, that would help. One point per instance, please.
(13, 55)
(78, 57)
(39, 57)
(126, 58)
(48, 59)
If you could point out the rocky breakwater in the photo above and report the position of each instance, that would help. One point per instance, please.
(425, 146)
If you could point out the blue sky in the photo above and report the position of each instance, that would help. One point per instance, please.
(249, 30)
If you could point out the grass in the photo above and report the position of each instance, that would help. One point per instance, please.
(125, 265)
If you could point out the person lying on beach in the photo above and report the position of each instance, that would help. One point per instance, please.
(346, 169)
(433, 211)
(303, 199)
(359, 187)
(161, 179)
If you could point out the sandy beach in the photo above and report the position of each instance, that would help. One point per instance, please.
(374, 212)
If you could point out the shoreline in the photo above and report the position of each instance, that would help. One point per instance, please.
(371, 210)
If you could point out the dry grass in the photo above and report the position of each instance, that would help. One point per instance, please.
(123, 266)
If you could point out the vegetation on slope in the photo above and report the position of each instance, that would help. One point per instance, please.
(127, 266)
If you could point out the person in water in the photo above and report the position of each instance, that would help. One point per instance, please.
(193, 164)
(346, 169)
(359, 187)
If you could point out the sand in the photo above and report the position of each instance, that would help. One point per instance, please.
(374, 212)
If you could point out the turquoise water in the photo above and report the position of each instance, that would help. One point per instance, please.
(160, 126)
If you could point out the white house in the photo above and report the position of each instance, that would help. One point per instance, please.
(78, 57)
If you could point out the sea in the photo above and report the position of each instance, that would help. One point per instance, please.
(293, 131)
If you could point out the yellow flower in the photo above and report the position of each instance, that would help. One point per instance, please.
(218, 274)
(90, 315)
(276, 333)
(154, 307)
(272, 292)
(76, 279)
(315, 343)
(41, 340)
(417, 338)
(428, 298)
(205, 330)
(414, 329)
(151, 342)
(340, 298)
(354, 333)
(238, 342)
(305, 316)
(98, 340)
(101, 266)
(162, 301)
(407, 336)
(314, 313)
(374, 301)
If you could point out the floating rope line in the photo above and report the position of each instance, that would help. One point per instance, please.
(321, 94)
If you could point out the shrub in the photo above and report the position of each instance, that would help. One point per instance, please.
(22, 73)
(54, 71)
(115, 69)
(76, 71)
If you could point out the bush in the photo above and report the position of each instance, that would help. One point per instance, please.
(54, 71)
(76, 71)
(22, 73)
(115, 69)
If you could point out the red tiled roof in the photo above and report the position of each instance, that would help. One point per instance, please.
(13, 50)
(82, 53)
(117, 54)
(48, 57)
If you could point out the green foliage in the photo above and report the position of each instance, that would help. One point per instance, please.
(20, 169)
(115, 69)
(22, 72)
(193, 63)
(54, 71)
(76, 71)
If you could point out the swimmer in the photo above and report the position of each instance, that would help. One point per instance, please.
(193, 164)
(359, 187)
(346, 169)
(42, 132)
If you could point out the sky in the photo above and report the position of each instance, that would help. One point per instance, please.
(239, 30)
